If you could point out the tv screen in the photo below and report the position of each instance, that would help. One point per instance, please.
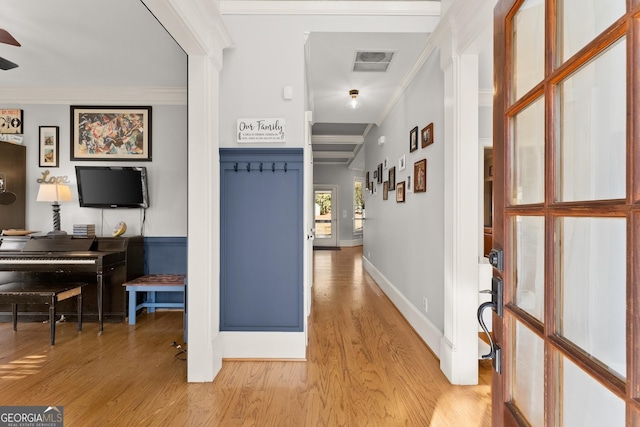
(112, 187)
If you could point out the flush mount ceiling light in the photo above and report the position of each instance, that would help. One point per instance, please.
(353, 102)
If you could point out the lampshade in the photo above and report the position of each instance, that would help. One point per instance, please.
(54, 193)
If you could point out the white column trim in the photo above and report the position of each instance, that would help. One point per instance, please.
(197, 26)
(459, 345)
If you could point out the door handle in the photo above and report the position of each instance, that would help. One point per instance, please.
(496, 303)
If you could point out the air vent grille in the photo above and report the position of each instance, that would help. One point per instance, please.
(376, 61)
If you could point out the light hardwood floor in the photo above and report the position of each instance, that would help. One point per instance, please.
(365, 367)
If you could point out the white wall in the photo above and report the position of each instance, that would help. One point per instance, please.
(268, 54)
(404, 241)
(343, 178)
(167, 173)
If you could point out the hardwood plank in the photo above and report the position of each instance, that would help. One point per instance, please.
(365, 367)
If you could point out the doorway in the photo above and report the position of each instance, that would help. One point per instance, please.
(325, 218)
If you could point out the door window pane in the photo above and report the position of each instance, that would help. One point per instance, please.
(584, 401)
(528, 155)
(324, 229)
(582, 20)
(528, 42)
(528, 375)
(358, 206)
(592, 287)
(593, 108)
(528, 242)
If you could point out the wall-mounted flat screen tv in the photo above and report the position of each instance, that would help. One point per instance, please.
(112, 187)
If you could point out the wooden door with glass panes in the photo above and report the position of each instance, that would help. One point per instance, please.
(567, 212)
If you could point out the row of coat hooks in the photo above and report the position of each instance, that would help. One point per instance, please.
(260, 167)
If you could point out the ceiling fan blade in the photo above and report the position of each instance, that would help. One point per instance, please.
(5, 64)
(7, 38)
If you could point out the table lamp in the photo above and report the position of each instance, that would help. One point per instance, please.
(54, 193)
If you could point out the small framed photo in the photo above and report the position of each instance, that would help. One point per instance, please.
(408, 188)
(413, 139)
(402, 162)
(367, 180)
(111, 133)
(49, 146)
(380, 173)
(11, 121)
(420, 176)
(427, 135)
(400, 192)
(392, 178)
(375, 174)
(385, 190)
(385, 164)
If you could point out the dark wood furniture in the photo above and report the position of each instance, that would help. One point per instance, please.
(49, 293)
(108, 263)
(13, 165)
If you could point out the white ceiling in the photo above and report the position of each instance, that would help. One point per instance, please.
(70, 43)
(88, 43)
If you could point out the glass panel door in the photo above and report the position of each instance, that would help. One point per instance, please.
(325, 219)
(567, 212)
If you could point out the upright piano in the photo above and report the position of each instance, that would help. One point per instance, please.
(105, 262)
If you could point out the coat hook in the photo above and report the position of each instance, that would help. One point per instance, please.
(285, 167)
(260, 166)
(273, 167)
(235, 167)
(248, 167)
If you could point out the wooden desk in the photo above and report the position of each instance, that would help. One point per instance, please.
(41, 293)
(151, 284)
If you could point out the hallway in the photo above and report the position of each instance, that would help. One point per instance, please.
(366, 367)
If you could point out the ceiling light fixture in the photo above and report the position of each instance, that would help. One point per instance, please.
(353, 102)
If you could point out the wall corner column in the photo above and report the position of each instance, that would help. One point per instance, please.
(459, 344)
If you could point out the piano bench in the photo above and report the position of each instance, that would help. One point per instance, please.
(50, 293)
(151, 284)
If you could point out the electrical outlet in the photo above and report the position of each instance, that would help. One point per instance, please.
(425, 304)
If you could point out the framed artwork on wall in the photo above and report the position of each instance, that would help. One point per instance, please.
(420, 176)
(400, 192)
(110, 133)
(367, 180)
(11, 121)
(49, 146)
(427, 135)
(392, 178)
(385, 190)
(413, 139)
(408, 188)
(402, 162)
(380, 173)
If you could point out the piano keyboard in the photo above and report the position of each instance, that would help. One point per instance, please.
(41, 261)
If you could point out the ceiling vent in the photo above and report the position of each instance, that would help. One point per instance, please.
(372, 61)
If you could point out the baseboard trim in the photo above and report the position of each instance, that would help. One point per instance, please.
(429, 333)
(264, 345)
(349, 243)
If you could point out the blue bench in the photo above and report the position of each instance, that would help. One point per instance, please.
(151, 284)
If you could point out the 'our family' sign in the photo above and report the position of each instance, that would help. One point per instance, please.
(261, 130)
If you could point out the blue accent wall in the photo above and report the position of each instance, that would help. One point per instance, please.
(166, 255)
(261, 250)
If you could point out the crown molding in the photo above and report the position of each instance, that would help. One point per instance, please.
(363, 8)
(94, 95)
